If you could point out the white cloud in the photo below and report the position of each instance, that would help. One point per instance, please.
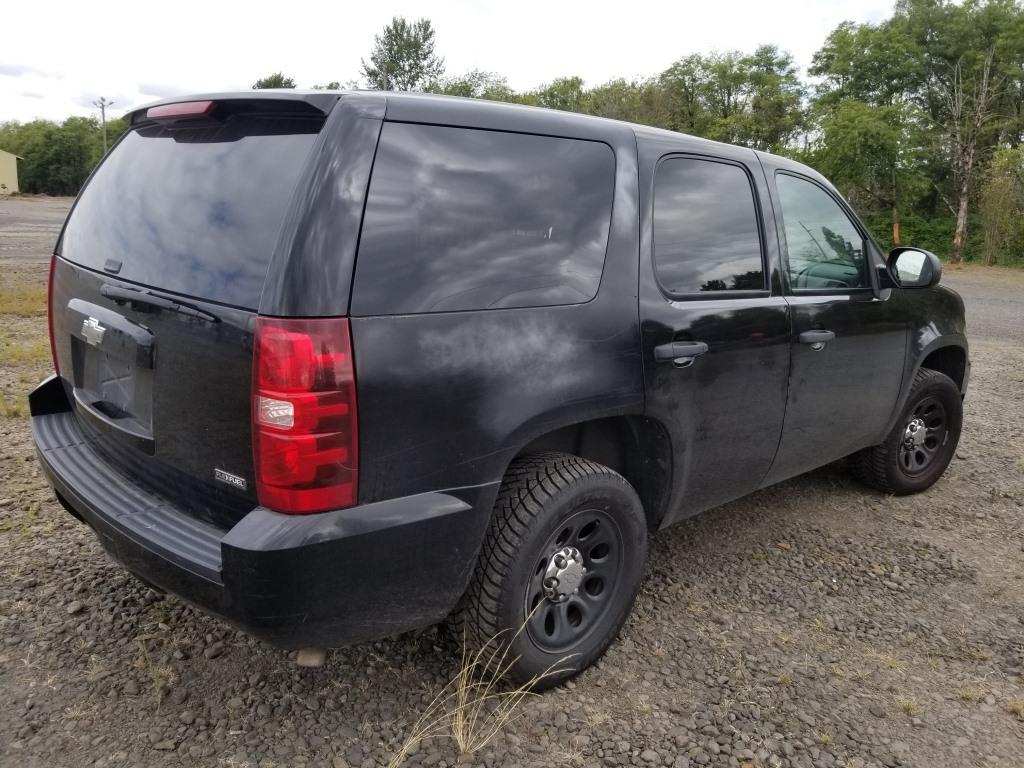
(137, 52)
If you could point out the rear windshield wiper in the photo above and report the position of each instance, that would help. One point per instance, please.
(148, 299)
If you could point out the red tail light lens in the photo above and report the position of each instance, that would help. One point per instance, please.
(305, 437)
(49, 313)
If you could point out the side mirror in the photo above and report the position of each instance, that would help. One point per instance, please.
(914, 267)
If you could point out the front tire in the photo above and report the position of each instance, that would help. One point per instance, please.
(922, 442)
(559, 569)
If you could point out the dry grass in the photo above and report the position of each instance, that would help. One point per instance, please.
(23, 301)
(1016, 708)
(14, 350)
(969, 694)
(885, 659)
(13, 407)
(909, 707)
(475, 706)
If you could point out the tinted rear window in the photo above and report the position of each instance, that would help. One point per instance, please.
(193, 211)
(461, 219)
(706, 232)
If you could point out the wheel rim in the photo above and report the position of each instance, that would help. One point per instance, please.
(925, 433)
(560, 617)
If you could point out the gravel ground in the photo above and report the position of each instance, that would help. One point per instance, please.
(815, 623)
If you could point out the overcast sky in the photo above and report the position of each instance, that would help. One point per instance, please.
(57, 57)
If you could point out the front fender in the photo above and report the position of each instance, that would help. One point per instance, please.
(936, 318)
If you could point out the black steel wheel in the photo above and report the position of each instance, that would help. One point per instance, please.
(559, 569)
(573, 585)
(924, 436)
(921, 443)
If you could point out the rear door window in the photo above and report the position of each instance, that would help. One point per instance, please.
(706, 233)
(465, 219)
(193, 211)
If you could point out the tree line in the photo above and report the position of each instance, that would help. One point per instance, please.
(918, 119)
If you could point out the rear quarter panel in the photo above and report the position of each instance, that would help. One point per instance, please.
(447, 399)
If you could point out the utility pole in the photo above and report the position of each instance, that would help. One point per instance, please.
(102, 103)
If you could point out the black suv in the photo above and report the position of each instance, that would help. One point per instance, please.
(337, 365)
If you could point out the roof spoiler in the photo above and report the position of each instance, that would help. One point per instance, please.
(203, 105)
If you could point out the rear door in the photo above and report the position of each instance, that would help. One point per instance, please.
(159, 274)
(848, 343)
(715, 328)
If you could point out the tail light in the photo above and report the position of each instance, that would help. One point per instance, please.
(305, 437)
(49, 313)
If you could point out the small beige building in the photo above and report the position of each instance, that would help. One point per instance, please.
(8, 173)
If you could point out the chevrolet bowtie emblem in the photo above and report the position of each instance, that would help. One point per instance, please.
(92, 331)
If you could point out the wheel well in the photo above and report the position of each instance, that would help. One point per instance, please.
(637, 448)
(951, 361)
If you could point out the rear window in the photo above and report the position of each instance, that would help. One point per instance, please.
(464, 219)
(193, 211)
(706, 232)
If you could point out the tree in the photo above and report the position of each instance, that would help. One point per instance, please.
(749, 99)
(403, 57)
(276, 80)
(334, 85)
(957, 68)
(638, 101)
(876, 65)
(57, 157)
(774, 112)
(1002, 207)
(565, 93)
(476, 84)
(684, 85)
(874, 154)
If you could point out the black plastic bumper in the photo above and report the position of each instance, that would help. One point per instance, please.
(293, 580)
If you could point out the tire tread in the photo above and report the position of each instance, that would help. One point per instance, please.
(529, 484)
(871, 465)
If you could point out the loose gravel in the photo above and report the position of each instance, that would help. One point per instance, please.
(815, 623)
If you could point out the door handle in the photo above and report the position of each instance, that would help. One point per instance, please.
(681, 353)
(817, 339)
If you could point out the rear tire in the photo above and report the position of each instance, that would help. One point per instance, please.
(559, 569)
(921, 443)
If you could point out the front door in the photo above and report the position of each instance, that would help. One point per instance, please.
(848, 343)
(714, 325)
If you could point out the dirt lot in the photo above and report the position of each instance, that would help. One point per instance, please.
(812, 624)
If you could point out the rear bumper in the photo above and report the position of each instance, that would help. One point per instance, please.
(295, 581)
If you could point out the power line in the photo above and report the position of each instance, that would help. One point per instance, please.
(102, 103)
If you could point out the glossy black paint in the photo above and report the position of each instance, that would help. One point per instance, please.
(724, 411)
(198, 397)
(840, 396)
(311, 272)
(294, 581)
(448, 396)
(712, 394)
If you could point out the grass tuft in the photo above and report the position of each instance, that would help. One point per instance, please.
(970, 694)
(909, 707)
(1016, 708)
(475, 705)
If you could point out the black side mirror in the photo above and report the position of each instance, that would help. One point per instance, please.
(914, 267)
